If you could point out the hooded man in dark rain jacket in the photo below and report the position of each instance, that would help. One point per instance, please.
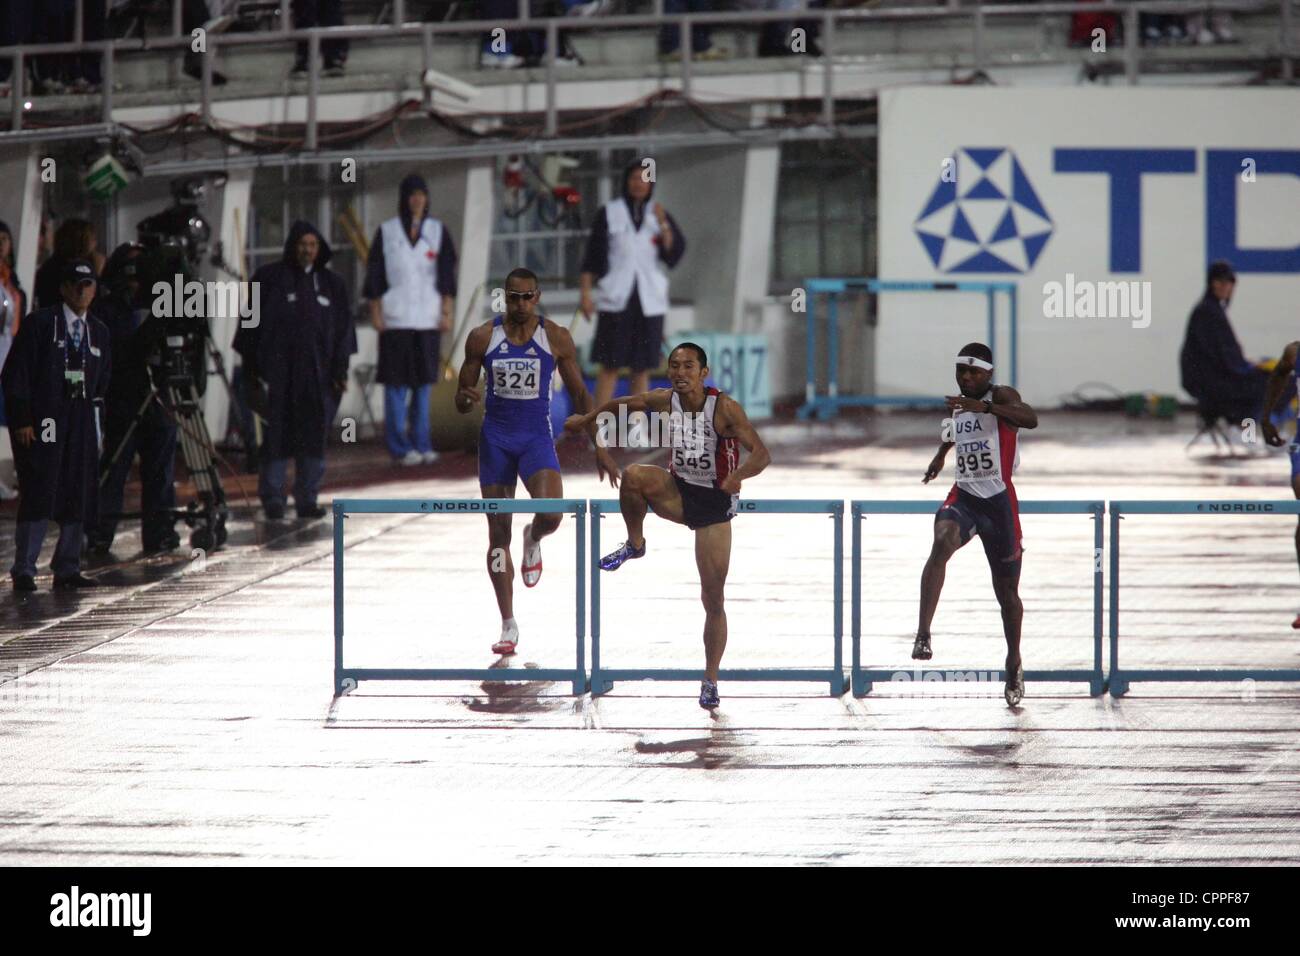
(299, 348)
(1214, 370)
(58, 367)
(411, 285)
(630, 237)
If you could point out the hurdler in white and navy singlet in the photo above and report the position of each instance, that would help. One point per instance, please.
(983, 499)
(516, 439)
(700, 459)
(987, 453)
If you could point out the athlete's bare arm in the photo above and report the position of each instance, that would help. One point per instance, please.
(566, 362)
(936, 463)
(1277, 383)
(475, 346)
(655, 400)
(1006, 406)
(732, 422)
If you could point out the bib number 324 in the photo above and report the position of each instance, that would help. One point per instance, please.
(516, 378)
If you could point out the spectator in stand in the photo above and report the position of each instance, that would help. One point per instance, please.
(702, 47)
(17, 26)
(777, 35)
(55, 22)
(13, 304)
(320, 13)
(519, 48)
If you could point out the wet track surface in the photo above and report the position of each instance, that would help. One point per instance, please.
(184, 713)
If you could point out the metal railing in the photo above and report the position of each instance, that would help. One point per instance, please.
(831, 22)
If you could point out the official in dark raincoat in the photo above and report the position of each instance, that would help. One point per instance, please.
(58, 366)
(133, 333)
(299, 347)
(1214, 370)
(411, 285)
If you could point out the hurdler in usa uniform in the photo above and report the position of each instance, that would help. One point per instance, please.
(520, 352)
(986, 419)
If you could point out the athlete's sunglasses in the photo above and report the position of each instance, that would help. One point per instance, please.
(522, 296)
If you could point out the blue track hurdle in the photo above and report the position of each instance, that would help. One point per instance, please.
(826, 406)
(603, 678)
(347, 677)
(863, 677)
(1120, 680)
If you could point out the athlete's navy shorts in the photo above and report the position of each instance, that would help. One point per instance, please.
(1294, 449)
(702, 507)
(504, 457)
(996, 520)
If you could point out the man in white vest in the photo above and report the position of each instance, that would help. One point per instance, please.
(411, 285)
(630, 238)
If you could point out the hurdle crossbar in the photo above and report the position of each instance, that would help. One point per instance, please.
(346, 678)
(603, 678)
(1119, 679)
(826, 406)
(864, 677)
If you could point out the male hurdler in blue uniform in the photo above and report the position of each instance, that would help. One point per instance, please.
(520, 351)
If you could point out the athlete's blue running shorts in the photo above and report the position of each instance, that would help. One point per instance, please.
(503, 458)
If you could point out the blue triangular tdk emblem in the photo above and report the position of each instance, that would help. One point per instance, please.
(993, 221)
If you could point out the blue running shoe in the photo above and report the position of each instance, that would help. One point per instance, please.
(708, 694)
(614, 560)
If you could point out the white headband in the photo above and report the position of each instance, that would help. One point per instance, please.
(972, 360)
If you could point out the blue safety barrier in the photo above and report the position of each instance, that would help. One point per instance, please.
(863, 677)
(475, 506)
(826, 406)
(1120, 680)
(603, 678)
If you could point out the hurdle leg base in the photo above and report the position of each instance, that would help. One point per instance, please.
(1118, 687)
(840, 686)
(1096, 688)
(861, 688)
(599, 686)
(580, 687)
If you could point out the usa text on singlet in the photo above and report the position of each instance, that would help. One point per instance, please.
(987, 452)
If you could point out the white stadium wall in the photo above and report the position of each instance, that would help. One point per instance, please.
(1175, 162)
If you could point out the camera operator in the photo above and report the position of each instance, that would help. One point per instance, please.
(300, 349)
(133, 333)
(58, 366)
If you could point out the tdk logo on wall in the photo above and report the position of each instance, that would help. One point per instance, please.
(984, 216)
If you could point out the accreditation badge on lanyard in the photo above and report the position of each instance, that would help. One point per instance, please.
(74, 379)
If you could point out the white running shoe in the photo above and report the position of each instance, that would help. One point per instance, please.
(509, 639)
(428, 457)
(412, 457)
(531, 568)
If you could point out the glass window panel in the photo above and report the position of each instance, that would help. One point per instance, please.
(796, 252)
(797, 198)
(844, 246)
